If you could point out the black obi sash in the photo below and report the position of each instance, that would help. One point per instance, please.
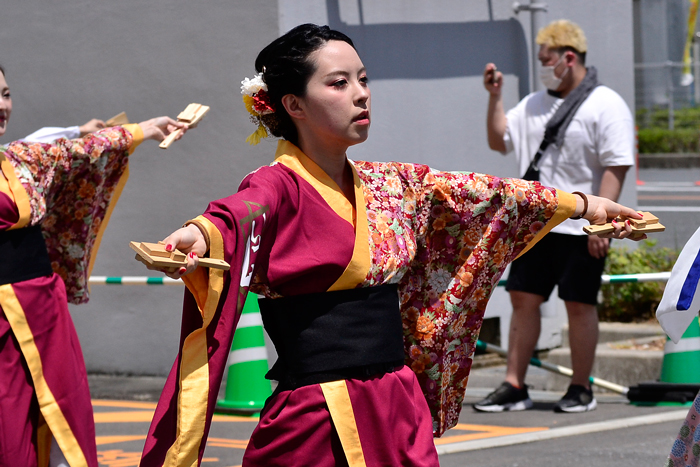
(24, 255)
(331, 336)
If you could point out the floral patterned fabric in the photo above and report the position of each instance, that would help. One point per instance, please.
(446, 238)
(70, 184)
(686, 449)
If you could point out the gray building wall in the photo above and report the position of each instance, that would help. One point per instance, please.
(77, 60)
(73, 60)
(425, 61)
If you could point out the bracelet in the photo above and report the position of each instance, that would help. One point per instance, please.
(585, 205)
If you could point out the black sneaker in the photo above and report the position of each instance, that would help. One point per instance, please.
(506, 398)
(576, 399)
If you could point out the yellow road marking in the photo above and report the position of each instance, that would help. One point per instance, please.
(484, 431)
(118, 439)
(147, 416)
(127, 404)
(119, 458)
(228, 443)
(234, 418)
(123, 417)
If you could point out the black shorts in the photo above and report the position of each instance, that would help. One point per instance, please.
(562, 260)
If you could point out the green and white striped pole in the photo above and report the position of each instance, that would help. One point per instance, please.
(145, 280)
(246, 386)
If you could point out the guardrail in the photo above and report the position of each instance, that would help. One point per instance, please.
(133, 280)
(145, 280)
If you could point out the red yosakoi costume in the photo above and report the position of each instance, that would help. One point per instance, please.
(55, 200)
(439, 240)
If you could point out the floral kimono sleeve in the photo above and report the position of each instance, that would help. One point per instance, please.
(72, 186)
(467, 228)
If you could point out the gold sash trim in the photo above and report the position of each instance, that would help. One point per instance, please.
(340, 407)
(193, 399)
(50, 409)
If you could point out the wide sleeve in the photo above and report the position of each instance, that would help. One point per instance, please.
(468, 227)
(240, 230)
(71, 188)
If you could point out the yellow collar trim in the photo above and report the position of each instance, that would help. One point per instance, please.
(291, 156)
(12, 187)
(356, 271)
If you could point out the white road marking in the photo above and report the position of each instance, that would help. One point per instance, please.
(653, 209)
(670, 189)
(554, 433)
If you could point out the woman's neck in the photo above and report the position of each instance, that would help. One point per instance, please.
(333, 161)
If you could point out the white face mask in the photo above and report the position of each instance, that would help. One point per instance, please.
(549, 78)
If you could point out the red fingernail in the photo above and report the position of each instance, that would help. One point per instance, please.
(614, 222)
(168, 247)
(182, 271)
(193, 254)
(627, 222)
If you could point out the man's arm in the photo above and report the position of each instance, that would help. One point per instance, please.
(50, 134)
(610, 187)
(612, 180)
(496, 115)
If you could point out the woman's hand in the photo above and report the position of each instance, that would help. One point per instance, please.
(160, 127)
(91, 126)
(602, 210)
(189, 240)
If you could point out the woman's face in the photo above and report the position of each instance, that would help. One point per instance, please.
(5, 104)
(336, 107)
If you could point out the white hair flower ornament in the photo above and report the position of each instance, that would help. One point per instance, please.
(257, 102)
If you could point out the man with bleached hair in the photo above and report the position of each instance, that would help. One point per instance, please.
(577, 135)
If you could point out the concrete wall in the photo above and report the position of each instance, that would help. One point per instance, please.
(69, 61)
(425, 60)
(76, 60)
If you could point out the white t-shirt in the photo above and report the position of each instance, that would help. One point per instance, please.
(600, 135)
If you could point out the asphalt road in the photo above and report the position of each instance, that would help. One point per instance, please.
(617, 433)
(674, 196)
(122, 425)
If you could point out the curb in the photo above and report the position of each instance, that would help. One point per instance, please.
(668, 160)
(625, 366)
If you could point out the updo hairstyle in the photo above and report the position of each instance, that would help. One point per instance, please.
(286, 69)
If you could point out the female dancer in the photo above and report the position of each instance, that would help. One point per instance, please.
(376, 275)
(55, 200)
